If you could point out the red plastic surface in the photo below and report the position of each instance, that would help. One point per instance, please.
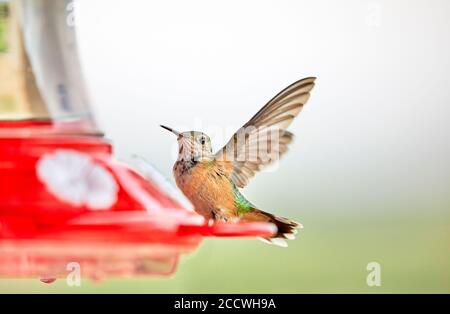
(142, 233)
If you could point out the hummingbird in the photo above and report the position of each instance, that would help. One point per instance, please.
(211, 181)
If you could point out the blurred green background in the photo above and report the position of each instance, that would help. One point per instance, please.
(329, 256)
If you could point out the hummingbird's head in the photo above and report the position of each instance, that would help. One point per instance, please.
(192, 145)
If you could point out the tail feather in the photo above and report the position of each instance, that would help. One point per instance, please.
(286, 228)
(275, 241)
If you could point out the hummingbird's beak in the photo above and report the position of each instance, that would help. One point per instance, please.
(171, 130)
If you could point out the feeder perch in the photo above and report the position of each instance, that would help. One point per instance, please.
(64, 199)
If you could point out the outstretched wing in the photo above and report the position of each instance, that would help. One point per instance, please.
(264, 138)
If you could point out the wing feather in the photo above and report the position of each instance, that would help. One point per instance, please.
(264, 138)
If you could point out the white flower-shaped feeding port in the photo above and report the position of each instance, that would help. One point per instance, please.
(75, 178)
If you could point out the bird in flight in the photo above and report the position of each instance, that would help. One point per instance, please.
(212, 181)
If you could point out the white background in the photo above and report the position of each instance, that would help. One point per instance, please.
(374, 137)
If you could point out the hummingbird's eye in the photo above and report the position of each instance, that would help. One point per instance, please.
(202, 140)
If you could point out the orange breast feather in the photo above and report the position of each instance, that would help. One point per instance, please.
(208, 187)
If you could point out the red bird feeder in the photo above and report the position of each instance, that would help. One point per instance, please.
(63, 197)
